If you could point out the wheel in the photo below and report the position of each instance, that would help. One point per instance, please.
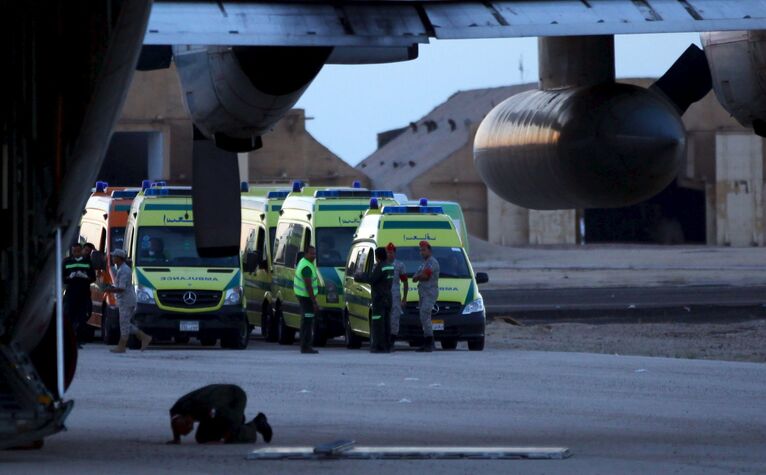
(269, 327)
(476, 345)
(182, 339)
(207, 341)
(353, 342)
(110, 328)
(286, 335)
(239, 340)
(450, 344)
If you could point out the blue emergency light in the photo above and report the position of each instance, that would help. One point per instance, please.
(277, 195)
(159, 183)
(297, 186)
(356, 184)
(373, 203)
(244, 187)
(423, 202)
(413, 210)
(382, 194)
(145, 184)
(101, 186)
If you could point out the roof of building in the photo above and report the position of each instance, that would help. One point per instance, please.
(434, 137)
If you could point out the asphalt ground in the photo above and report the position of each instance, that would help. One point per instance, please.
(617, 414)
(700, 301)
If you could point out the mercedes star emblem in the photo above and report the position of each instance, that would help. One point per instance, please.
(190, 298)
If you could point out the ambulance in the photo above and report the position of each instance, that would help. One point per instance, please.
(454, 211)
(103, 225)
(260, 214)
(459, 313)
(327, 219)
(180, 294)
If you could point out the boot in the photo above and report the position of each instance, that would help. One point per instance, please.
(391, 343)
(144, 339)
(121, 345)
(307, 336)
(428, 345)
(262, 426)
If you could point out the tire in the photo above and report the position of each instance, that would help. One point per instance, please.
(353, 342)
(476, 345)
(110, 330)
(238, 341)
(207, 341)
(450, 344)
(269, 327)
(182, 339)
(286, 335)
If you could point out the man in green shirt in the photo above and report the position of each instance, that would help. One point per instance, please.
(306, 288)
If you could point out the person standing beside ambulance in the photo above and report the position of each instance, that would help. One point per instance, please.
(427, 278)
(398, 301)
(126, 303)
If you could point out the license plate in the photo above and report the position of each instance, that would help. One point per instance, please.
(187, 326)
(437, 324)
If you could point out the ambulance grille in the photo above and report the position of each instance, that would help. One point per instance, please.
(189, 298)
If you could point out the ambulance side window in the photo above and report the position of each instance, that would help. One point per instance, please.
(361, 260)
(293, 243)
(351, 265)
(245, 237)
(280, 243)
(260, 243)
(102, 241)
(370, 260)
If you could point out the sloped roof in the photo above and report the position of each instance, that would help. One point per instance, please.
(407, 156)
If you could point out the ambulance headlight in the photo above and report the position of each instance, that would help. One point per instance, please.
(473, 307)
(332, 293)
(233, 296)
(144, 295)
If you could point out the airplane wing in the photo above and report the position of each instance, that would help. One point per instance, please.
(401, 24)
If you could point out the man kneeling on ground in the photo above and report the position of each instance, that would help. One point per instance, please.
(220, 411)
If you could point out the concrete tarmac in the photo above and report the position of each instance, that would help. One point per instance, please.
(616, 414)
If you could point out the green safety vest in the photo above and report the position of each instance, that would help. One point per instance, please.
(299, 287)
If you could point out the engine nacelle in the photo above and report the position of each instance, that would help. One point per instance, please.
(602, 146)
(738, 66)
(236, 94)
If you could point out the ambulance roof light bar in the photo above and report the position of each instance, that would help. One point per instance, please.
(277, 194)
(413, 210)
(145, 184)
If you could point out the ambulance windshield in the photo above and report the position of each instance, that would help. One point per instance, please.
(333, 245)
(452, 263)
(174, 246)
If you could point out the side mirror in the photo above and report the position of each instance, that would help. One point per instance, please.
(299, 257)
(97, 260)
(482, 278)
(251, 261)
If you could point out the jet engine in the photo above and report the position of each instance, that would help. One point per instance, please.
(236, 94)
(585, 141)
(738, 66)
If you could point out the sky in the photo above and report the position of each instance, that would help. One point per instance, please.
(348, 105)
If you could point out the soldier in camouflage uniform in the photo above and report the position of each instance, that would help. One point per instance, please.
(427, 278)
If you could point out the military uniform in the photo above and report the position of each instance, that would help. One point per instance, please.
(78, 275)
(220, 411)
(399, 279)
(428, 293)
(126, 300)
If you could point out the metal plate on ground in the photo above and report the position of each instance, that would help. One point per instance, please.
(414, 453)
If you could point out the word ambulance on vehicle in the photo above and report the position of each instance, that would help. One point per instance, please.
(327, 219)
(459, 313)
(179, 293)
